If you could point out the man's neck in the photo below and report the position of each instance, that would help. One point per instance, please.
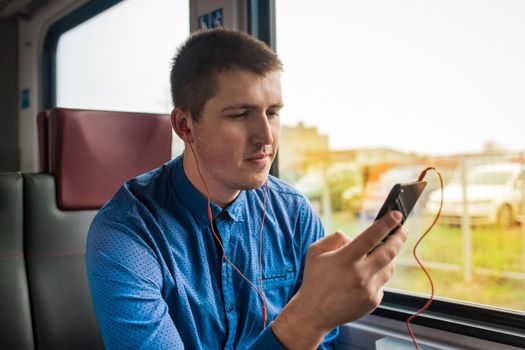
(221, 197)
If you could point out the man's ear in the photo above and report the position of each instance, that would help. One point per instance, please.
(182, 124)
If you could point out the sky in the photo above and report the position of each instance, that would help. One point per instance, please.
(435, 77)
(431, 77)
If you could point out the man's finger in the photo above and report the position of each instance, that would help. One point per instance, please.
(373, 235)
(385, 253)
(383, 276)
(330, 242)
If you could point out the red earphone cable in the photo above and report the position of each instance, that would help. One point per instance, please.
(414, 251)
(260, 256)
(210, 216)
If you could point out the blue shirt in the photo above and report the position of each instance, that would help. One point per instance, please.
(157, 276)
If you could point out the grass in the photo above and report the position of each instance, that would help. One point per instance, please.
(494, 250)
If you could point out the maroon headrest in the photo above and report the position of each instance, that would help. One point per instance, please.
(92, 153)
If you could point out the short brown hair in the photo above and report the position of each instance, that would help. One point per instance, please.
(208, 52)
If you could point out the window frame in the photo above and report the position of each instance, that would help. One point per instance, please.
(261, 24)
(492, 324)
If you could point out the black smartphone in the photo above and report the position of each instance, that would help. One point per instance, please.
(402, 197)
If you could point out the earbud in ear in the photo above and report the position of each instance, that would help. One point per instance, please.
(187, 135)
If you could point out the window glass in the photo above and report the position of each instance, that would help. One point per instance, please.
(375, 91)
(120, 59)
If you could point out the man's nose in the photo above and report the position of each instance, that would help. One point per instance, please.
(262, 130)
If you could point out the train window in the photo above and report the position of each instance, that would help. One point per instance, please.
(120, 59)
(375, 92)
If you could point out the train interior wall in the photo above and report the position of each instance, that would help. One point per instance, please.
(9, 149)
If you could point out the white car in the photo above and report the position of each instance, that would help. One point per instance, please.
(494, 195)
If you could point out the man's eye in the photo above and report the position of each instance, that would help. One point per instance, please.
(239, 115)
(272, 114)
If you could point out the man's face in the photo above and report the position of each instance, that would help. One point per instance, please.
(237, 135)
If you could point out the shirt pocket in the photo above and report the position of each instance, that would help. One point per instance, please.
(279, 277)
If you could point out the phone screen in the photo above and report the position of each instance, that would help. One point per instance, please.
(402, 197)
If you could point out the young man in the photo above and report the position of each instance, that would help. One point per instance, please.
(170, 270)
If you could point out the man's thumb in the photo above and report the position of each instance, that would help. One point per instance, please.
(330, 242)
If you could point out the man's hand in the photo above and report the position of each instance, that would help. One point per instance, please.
(342, 282)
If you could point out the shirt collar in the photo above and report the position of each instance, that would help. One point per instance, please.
(197, 203)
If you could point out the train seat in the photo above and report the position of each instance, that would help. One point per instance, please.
(88, 154)
(15, 315)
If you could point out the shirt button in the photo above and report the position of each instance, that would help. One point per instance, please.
(230, 308)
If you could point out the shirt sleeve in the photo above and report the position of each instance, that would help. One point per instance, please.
(267, 340)
(125, 280)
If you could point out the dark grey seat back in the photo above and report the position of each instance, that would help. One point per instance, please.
(63, 314)
(15, 314)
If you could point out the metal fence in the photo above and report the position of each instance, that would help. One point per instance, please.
(484, 202)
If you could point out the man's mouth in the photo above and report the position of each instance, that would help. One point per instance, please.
(259, 160)
(259, 156)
